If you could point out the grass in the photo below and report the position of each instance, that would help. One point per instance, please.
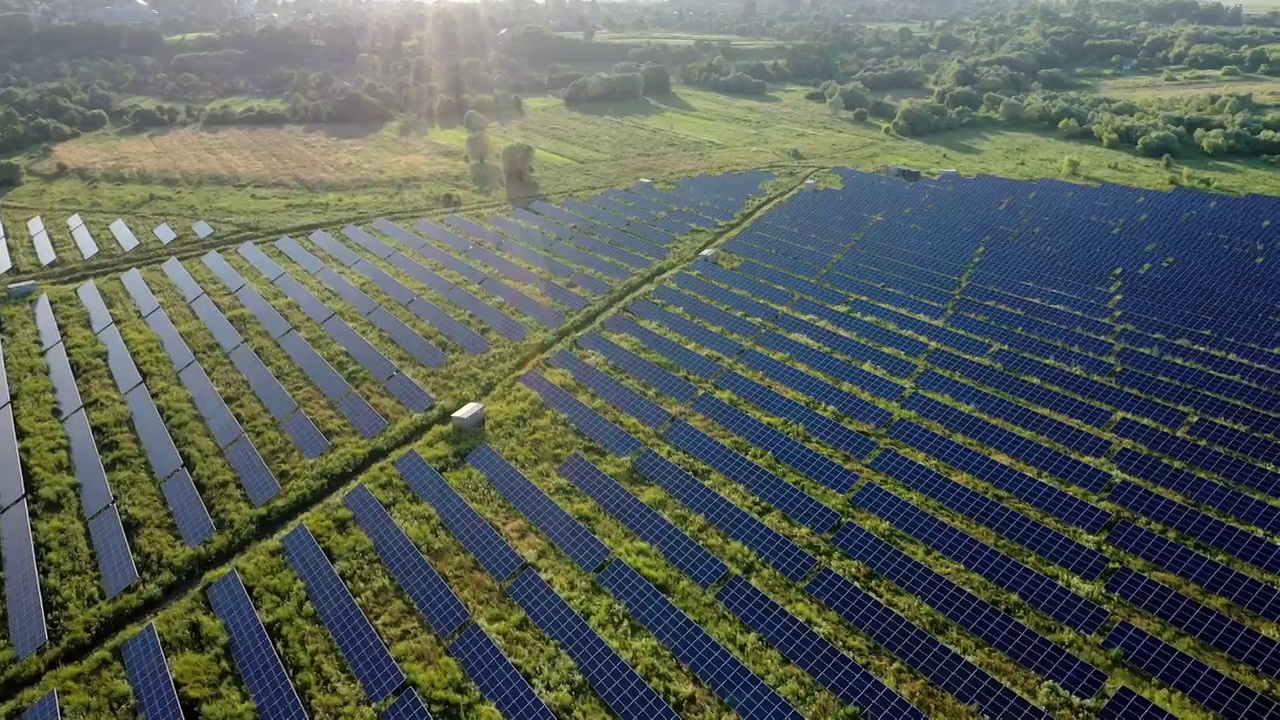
(1265, 89)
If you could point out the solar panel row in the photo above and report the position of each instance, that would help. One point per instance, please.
(586, 420)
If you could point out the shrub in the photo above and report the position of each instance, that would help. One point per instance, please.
(1070, 166)
(861, 114)
(12, 173)
(1231, 71)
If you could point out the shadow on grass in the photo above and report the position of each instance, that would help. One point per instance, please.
(631, 107)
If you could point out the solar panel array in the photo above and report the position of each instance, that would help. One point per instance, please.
(148, 672)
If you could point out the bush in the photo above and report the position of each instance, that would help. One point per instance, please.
(475, 121)
(861, 114)
(1156, 144)
(12, 173)
(1231, 71)
(657, 79)
(1070, 166)
(95, 120)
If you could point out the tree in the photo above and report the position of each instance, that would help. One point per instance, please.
(475, 122)
(1158, 143)
(517, 170)
(860, 114)
(12, 173)
(1012, 111)
(1070, 166)
(835, 104)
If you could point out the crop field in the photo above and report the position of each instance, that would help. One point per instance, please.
(893, 450)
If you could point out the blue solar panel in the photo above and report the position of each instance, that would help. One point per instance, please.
(919, 649)
(587, 421)
(1200, 682)
(862, 328)
(223, 270)
(1036, 589)
(1245, 546)
(253, 652)
(312, 306)
(350, 294)
(1129, 705)
(504, 324)
(1024, 645)
(677, 547)
(937, 333)
(364, 651)
(802, 458)
(671, 322)
(706, 312)
(845, 402)
(46, 323)
(420, 581)
(409, 706)
(1031, 392)
(496, 677)
(615, 393)
(65, 389)
(115, 560)
(1236, 639)
(46, 708)
(149, 675)
(316, 368)
(814, 423)
(251, 471)
(480, 539)
(1048, 543)
(23, 603)
(1206, 458)
(1232, 502)
(119, 360)
(725, 297)
(368, 242)
(217, 323)
(567, 533)
(300, 255)
(755, 288)
(466, 338)
(12, 486)
(637, 367)
(717, 667)
(801, 645)
(1213, 576)
(137, 288)
(340, 252)
(188, 509)
(95, 489)
(618, 684)
(776, 549)
(418, 347)
(99, 315)
(156, 441)
(681, 356)
(269, 268)
(174, 346)
(274, 397)
(545, 316)
(868, 381)
(1059, 503)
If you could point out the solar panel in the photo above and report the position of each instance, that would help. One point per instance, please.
(362, 416)
(615, 393)
(801, 645)
(419, 580)
(618, 684)
(802, 382)
(919, 649)
(418, 347)
(466, 338)
(816, 424)
(337, 250)
(1206, 458)
(11, 484)
(174, 346)
(305, 435)
(1022, 644)
(188, 509)
(46, 708)
(95, 490)
(496, 677)
(639, 368)
(181, 277)
(587, 421)
(1213, 576)
(251, 471)
(265, 385)
(740, 688)
(776, 549)
(149, 675)
(504, 324)
(540, 313)
(155, 438)
(202, 229)
(873, 383)
(1129, 705)
(1232, 502)
(464, 523)
(725, 297)
(271, 320)
(85, 243)
(164, 233)
(677, 547)
(44, 248)
(221, 423)
(64, 382)
(46, 323)
(223, 270)
(5, 396)
(218, 325)
(269, 268)
(300, 255)
(1233, 541)
(1016, 527)
(317, 369)
(705, 312)
(683, 357)
(645, 310)
(368, 242)
(253, 652)
(23, 604)
(564, 531)
(115, 560)
(409, 706)
(119, 360)
(368, 357)
(364, 651)
(1237, 640)
(790, 500)
(1034, 588)
(1058, 503)
(1202, 683)
(311, 306)
(803, 459)
(138, 290)
(6, 261)
(99, 317)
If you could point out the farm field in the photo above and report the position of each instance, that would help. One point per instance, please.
(934, 454)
